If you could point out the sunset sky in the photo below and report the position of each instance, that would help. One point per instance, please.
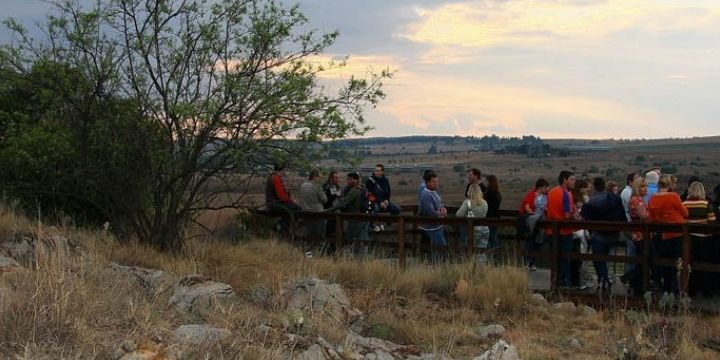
(552, 68)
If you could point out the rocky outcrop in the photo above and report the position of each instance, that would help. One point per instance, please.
(501, 350)
(152, 280)
(318, 297)
(8, 265)
(28, 249)
(200, 334)
(196, 293)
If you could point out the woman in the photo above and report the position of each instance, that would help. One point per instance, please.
(534, 205)
(494, 198)
(700, 211)
(581, 277)
(638, 213)
(476, 207)
(665, 207)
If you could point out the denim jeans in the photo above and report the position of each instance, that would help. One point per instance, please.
(437, 245)
(566, 247)
(601, 244)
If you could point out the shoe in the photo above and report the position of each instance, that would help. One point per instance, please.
(532, 268)
(377, 228)
(382, 227)
(308, 254)
(583, 287)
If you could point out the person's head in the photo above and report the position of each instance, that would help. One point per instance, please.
(631, 178)
(542, 186)
(493, 183)
(314, 175)
(696, 191)
(353, 178)
(431, 181)
(474, 175)
(599, 184)
(580, 189)
(612, 187)
(665, 182)
(716, 193)
(652, 177)
(693, 179)
(673, 182)
(333, 178)
(640, 187)
(426, 173)
(566, 179)
(475, 194)
(279, 168)
(379, 170)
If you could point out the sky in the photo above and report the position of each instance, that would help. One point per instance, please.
(550, 68)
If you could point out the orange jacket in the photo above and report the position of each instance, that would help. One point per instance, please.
(667, 208)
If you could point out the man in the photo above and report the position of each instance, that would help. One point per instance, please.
(651, 177)
(379, 186)
(312, 198)
(355, 201)
(603, 206)
(277, 198)
(561, 207)
(431, 206)
(474, 176)
(625, 196)
(333, 192)
(422, 185)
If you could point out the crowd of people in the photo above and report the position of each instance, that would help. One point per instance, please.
(648, 198)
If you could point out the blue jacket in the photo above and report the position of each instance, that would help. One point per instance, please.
(430, 204)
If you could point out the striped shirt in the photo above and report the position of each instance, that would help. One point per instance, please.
(699, 212)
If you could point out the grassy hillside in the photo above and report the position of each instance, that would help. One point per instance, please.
(74, 305)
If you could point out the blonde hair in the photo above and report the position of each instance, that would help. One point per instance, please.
(475, 194)
(640, 183)
(696, 191)
(666, 181)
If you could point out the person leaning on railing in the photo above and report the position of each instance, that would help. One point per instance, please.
(476, 207)
(700, 211)
(638, 213)
(665, 207)
(355, 201)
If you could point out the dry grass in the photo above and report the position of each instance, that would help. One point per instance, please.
(81, 309)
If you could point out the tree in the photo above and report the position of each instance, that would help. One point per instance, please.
(229, 86)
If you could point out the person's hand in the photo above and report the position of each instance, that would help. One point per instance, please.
(384, 204)
(442, 212)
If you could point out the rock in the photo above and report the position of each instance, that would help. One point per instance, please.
(589, 311)
(627, 349)
(490, 331)
(152, 280)
(501, 350)
(566, 306)
(128, 350)
(538, 298)
(198, 293)
(29, 249)
(314, 352)
(200, 334)
(259, 295)
(8, 265)
(318, 297)
(574, 343)
(380, 349)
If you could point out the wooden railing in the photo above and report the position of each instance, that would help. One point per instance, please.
(509, 219)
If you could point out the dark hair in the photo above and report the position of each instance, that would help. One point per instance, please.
(429, 176)
(313, 174)
(476, 172)
(693, 179)
(541, 182)
(354, 175)
(599, 184)
(380, 166)
(630, 178)
(493, 183)
(564, 175)
(331, 174)
(426, 172)
(279, 167)
(577, 190)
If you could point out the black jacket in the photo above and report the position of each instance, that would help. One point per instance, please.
(380, 187)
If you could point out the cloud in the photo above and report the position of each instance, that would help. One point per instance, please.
(490, 23)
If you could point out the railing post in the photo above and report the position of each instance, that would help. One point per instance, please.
(401, 242)
(292, 227)
(685, 271)
(470, 238)
(338, 234)
(646, 242)
(555, 265)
